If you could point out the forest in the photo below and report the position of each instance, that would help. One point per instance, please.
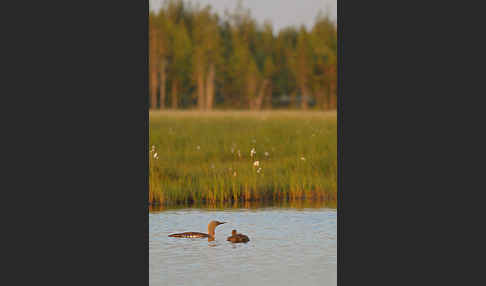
(201, 60)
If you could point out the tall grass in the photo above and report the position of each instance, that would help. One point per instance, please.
(198, 157)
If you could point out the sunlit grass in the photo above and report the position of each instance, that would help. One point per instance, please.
(198, 157)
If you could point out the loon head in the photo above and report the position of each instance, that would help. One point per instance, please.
(215, 223)
(233, 232)
(212, 225)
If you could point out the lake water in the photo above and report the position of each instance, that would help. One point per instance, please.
(288, 246)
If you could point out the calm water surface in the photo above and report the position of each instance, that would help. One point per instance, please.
(288, 246)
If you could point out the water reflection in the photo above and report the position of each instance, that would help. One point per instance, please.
(297, 204)
(212, 242)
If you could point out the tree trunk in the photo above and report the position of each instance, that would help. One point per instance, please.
(163, 81)
(210, 88)
(174, 93)
(200, 89)
(251, 90)
(261, 95)
(319, 100)
(267, 103)
(325, 98)
(305, 97)
(153, 88)
(293, 99)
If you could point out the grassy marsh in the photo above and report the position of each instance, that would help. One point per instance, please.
(198, 157)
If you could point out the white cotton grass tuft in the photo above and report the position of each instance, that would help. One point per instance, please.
(252, 152)
(256, 163)
(156, 155)
(302, 158)
(267, 154)
(198, 147)
(259, 170)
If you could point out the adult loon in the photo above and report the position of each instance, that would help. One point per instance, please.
(237, 237)
(210, 235)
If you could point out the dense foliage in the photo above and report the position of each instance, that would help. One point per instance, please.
(198, 59)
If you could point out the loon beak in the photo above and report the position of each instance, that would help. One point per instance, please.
(222, 222)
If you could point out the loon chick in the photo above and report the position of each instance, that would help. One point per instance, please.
(211, 226)
(237, 237)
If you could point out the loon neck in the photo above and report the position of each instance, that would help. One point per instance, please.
(211, 230)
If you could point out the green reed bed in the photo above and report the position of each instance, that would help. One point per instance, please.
(198, 157)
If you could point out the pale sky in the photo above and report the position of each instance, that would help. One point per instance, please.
(281, 13)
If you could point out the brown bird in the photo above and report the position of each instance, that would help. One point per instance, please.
(237, 237)
(210, 235)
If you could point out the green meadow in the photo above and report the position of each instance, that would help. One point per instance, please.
(242, 156)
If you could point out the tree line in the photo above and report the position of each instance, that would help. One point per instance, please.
(198, 59)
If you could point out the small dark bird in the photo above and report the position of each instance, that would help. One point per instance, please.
(237, 237)
(210, 235)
